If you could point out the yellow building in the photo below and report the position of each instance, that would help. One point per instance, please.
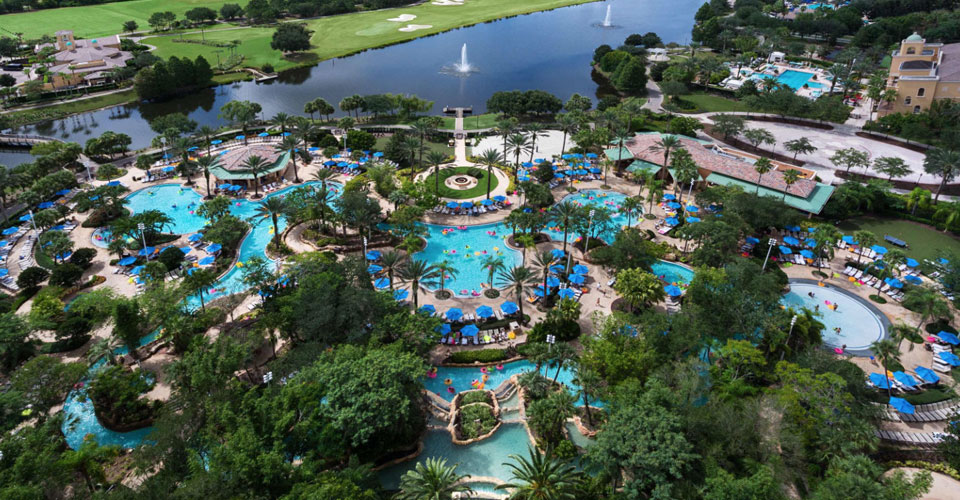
(921, 72)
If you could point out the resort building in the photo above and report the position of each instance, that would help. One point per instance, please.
(921, 72)
(83, 62)
(727, 167)
(233, 169)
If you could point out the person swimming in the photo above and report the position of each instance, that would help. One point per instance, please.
(811, 295)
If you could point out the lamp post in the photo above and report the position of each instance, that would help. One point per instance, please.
(364, 247)
(770, 243)
(143, 237)
(586, 244)
(163, 142)
(793, 321)
(36, 233)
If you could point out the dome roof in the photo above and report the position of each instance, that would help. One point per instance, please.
(914, 38)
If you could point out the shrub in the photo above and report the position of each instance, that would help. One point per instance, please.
(329, 141)
(267, 68)
(564, 450)
(476, 420)
(482, 356)
(66, 275)
(32, 277)
(82, 257)
(72, 327)
(171, 257)
(474, 397)
(563, 329)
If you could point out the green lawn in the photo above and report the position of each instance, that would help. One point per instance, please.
(700, 102)
(924, 241)
(479, 190)
(486, 120)
(435, 146)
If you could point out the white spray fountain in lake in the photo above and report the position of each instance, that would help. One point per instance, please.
(607, 22)
(462, 68)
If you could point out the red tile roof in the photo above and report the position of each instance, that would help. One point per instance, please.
(643, 147)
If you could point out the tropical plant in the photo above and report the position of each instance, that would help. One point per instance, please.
(569, 124)
(436, 158)
(563, 215)
(446, 270)
(927, 302)
(536, 130)
(865, 239)
(392, 262)
(918, 198)
(198, 281)
(666, 144)
(290, 145)
(944, 163)
(205, 163)
(790, 177)
(799, 145)
(629, 205)
(488, 157)
(887, 353)
(256, 165)
(418, 273)
(891, 166)
(433, 480)
(492, 264)
(537, 477)
(518, 278)
(518, 144)
(638, 287)
(762, 166)
(543, 261)
(273, 208)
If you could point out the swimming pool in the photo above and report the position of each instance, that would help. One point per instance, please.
(101, 237)
(859, 322)
(608, 200)
(461, 378)
(796, 79)
(465, 247)
(670, 272)
(174, 200)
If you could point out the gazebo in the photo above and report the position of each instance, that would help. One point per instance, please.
(232, 167)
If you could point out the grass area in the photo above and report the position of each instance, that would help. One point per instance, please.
(486, 120)
(342, 35)
(479, 190)
(57, 111)
(701, 102)
(924, 241)
(429, 146)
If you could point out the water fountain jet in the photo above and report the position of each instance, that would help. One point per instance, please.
(606, 20)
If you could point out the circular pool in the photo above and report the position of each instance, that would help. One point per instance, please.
(859, 322)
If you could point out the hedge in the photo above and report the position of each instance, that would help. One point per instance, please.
(483, 356)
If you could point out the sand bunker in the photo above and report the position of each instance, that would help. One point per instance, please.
(447, 2)
(403, 18)
(415, 27)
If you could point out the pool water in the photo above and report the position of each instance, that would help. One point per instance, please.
(81, 412)
(577, 438)
(670, 272)
(796, 79)
(598, 198)
(859, 325)
(465, 249)
(481, 459)
(101, 237)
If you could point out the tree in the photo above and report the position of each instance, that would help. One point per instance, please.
(825, 237)
(762, 166)
(44, 382)
(291, 37)
(230, 11)
(918, 198)
(590, 383)
(419, 273)
(205, 164)
(161, 20)
(758, 136)
(518, 144)
(887, 354)
(865, 239)
(15, 343)
(130, 26)
(790, 177)
(728, 125)
(539, 477)
(433, 480)
(944, 163)
(273, 208)
(445, 270)
(436, 158)
(198, 281)
(666, 144)
(289, 145)
(568, 124)
(31, 277)
(492, 264)
(639, 287)
(518, 278)
(241, 114)
(261, 12)
(891, 166)
(851, 157)
(858, 477)
(631, 76)
(392, 262)
(928, 303)
(798, 146)
(56, 245)
(490, 158)
(256, 165)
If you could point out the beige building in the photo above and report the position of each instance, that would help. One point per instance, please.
(921, 72)
(83, 62)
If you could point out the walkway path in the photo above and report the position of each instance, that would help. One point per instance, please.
(460, 141)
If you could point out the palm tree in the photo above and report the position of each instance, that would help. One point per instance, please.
(506, 128)
(321, 206)
(422, 128)
(492, 264)
(205, 163)
(436, 158)
(589, 382)
(563, 214)
(323, 175)
(825, 242)
(927, 302)
(518, 144)
(944, 163)
(569, 124)
(865, 239)
(654, 190)
(445, 269)
(257, 166)
(560, 354)
(535, 130)
(918, 198)
(950, 213)
(666, 144)
(273, 207)
(543, 261)
(537, 477)
(630, 205)
(901, 331)
(391, 262)
(207, 133)
(418, 272)
(290, 145)
(432, 480)
(488, 157)
(762, 166)
(282, 120)
(887, 353)
(790, 177)
(410, 146)
(518, 278)
(181, 147)
(198, 281)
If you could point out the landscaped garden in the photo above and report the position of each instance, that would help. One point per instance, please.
(479, 189)
(925, 242)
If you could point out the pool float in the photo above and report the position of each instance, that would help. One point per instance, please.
(500, 366)
(451, 390)
(484, 252)
(239, 264)
(476, 253)
(480, 387)
(464, 292)
(467, 247)
(238, 203)
(485, 377)
(453, 251)
(432, 373)
(475, 383)
(484, 370)
(496, 249)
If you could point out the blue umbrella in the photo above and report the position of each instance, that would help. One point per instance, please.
(949, 338)
(785, 250)
(454, 313)
(594, 170)
(669, 196)
(905, 379)
(146, 251)
(674, 205)
(672, 221)
(691, 208)
(378, 154)
(538, 160)
(526, 164)
(902, 406)
(113, 183)
(927, 374)
(373, 255)
(879, 249)
(126, 261)
(566, 156)
(807, 254)
(673, 291)
(400, 294)
(342, 164)
(467, 204)
(215, 142)
(943, 261)
(591, 155)
(428, 308)
(894, 282)
(206, 261)
(59, 227)
(469, 330)
(167, 156)
(214, 247)
(225, 186)
(557, 253)
(10, 230)
(576, 278)
(263, 134)
(509, 308)
(752, 240)
(557, 268)
(810, 242)
(4, 243)
(330, 163)
(25, 217)
(4, 272)
(236, 187)
(45, 205)
(553, 282)
(500, 198)
(879, 380)
(240, 137)
(793, 228)
(950, 358)
(581, 269)
(915, 280)
(811, 229)
(558, 175)
(693, 219)
(95, 198)
(136, 271)
(538, 291)
(452, 204)
(193, 148)
(848, 240)
(912, 262)
(186, 250)
(443, 329)
(62, 192)
(484, 311)
(486, 203)
(374, 269)
(790, 240)
(195, 237)
(566, 293)
(381, 283)
(168, 169)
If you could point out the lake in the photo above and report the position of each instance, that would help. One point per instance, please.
(545, 50)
